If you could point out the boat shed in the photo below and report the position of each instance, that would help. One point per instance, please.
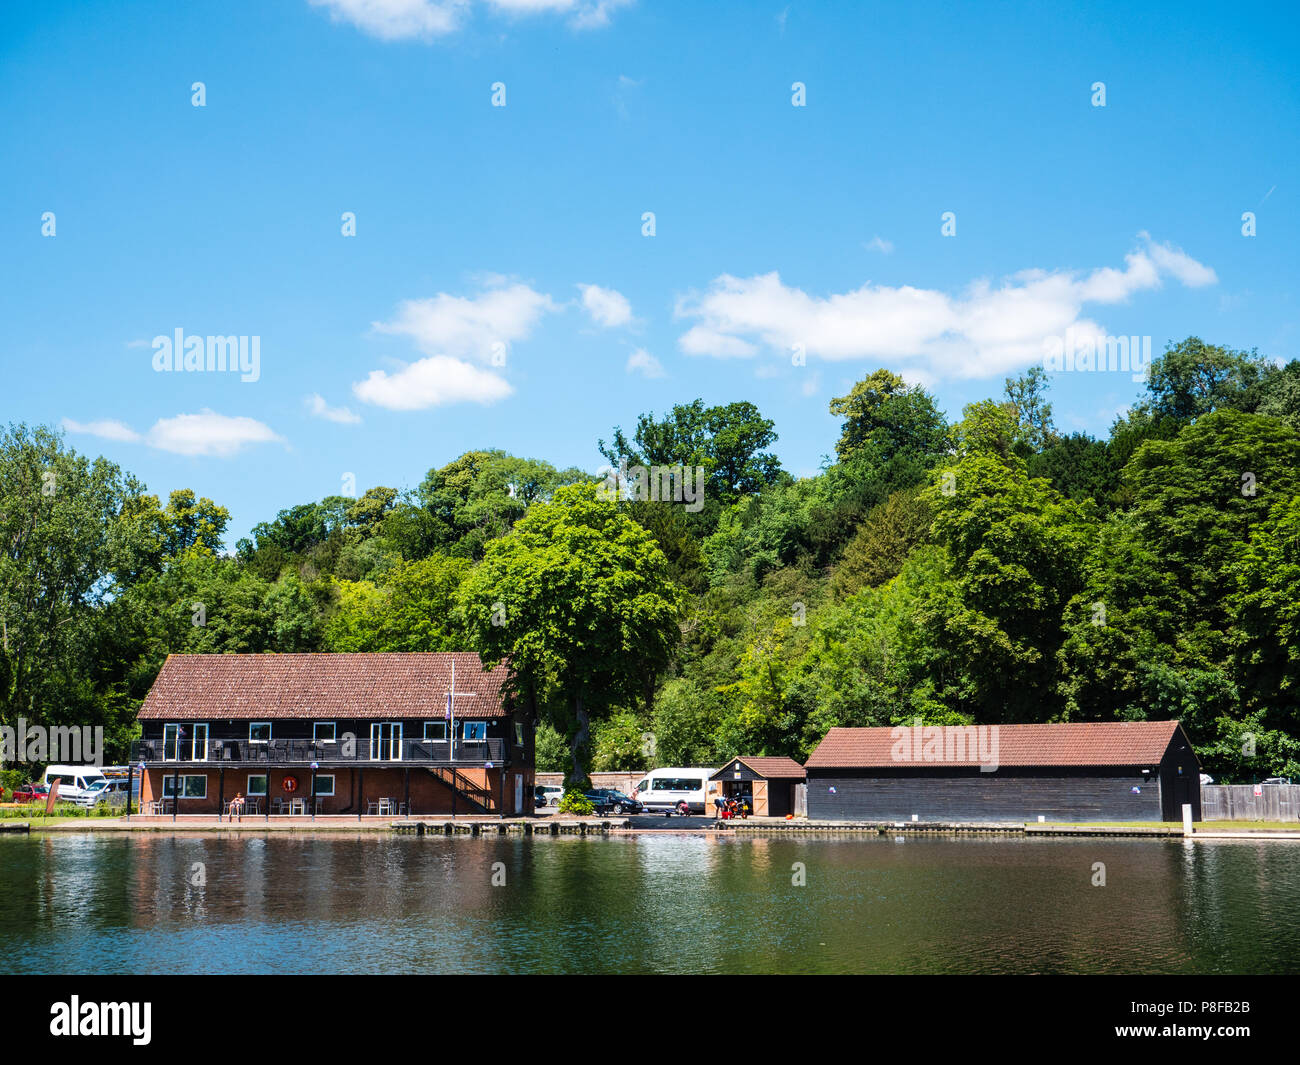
(1102, 771)
(770, 783)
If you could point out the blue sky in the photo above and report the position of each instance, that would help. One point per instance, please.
(499, 290)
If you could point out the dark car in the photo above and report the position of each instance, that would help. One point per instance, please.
(607, 800)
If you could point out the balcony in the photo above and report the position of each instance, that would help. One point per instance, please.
(359, 752)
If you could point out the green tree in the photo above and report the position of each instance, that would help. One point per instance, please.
(577, 602)
(63, 534)
(618, 743)
(727, 441)
(1193, 378)
(891, 532)
(415, 610)
(1027, 395)
(883, 410)
(1016, 548)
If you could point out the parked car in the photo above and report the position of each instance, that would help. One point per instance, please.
(1206, 778)
(548, 794)
(1277, 780)
(110, 793)
(609, 800)
(75, 781)
(30, 793)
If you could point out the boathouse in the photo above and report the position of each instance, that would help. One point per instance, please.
(1105, 771)
(333, 734)
(768, 783)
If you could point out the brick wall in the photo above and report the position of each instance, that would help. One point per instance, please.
(429, 794)
(619, 781)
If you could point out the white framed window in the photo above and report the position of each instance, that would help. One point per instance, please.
(435, 730)
(200, 747)
(324, 785)
(519, 733)
(256, 785)
(259, 732)
(386, 741)
(171, 743)
(475, 730)
(324, 732)
(192, 785)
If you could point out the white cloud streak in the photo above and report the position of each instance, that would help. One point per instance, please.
(984, 331)
(400, 20)
(204, 434)
(642, 362)
(606, 306)
(341, 415)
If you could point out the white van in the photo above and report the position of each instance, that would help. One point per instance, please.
(75, 781)
(661, 790)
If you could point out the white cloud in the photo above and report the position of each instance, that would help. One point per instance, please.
(205, 433)
(606, 306)
(208, 433)
(452, 331)
(583, 14)
(1177, 262)
(879, 244)
(986, 330)
(395, 20)
(642, 361)
(432, 382)
(470, 326)
(107, 429)
(342, 415)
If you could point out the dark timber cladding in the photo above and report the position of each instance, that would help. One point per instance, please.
(1103, 771)
(768, 783)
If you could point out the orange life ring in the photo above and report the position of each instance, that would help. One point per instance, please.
(290, 784)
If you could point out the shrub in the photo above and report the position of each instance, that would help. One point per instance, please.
(574, 802)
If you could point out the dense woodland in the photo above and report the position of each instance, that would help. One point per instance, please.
(988, 569)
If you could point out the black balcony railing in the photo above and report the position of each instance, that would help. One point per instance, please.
(303, 752)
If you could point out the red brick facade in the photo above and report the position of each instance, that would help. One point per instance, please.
(354, 789)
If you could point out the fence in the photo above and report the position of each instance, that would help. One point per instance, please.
(1238, 802)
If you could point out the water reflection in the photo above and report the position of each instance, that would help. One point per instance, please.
(652, 903)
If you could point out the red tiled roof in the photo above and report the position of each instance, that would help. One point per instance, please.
(270, 686)
(1102, 743)
(771, 768)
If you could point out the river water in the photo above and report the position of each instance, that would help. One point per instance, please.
(658, 902)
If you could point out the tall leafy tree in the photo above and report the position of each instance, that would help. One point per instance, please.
(416, 609)
(728, 441)
(1027, 395)
(577, 602)
(1193, 378)
(1016, 548)
(62, 537)
(899, 419)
